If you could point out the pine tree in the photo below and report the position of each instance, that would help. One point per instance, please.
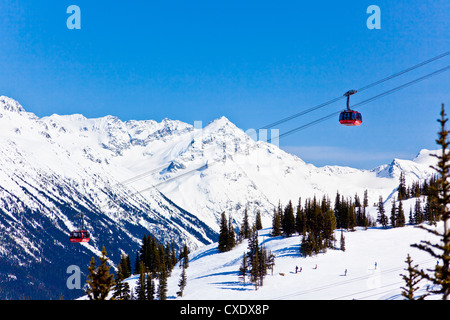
(185, 257)
(136, 263)
(223, 234)
(182, 282)
(258, 222)
(262, 265)
(365, 200)
(243, 269)
(401, 221)
(141, 285)
(441, 250)
(382, 219)
(412, 279)
(231, 243)
(418, 213)
(394, 213)
(270, 261)
(306, 246)
(402, 194)
(328, 228)
(149, 287)
(121, 288)
(276, 224)
(288, 222)
(100, 281)
(342, 242)
(245, 228)
(300, 219)
(162, 285)
(254, 270)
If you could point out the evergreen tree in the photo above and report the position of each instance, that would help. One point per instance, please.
(288, 222)
(262, 272)
(245, 228)
(223, 234)
(402, 194)
(162, 285)
(258, 222)
(141, 286)
(254, 269)
(149, 287)
(100, 281)
(137, 262)
(351, 217)
(418, 213)
(182, 282)
(300, 219)
(411, 279)
(121, 288)
(231, 235)
(440, 276)
(185, 256)
(365, 200)
(401, 221)
(243, 269)
(328, 228)
(338, 211)
(342, 242)
(257, 260)
(270, 261)
(394, 213)
(382, 219)
(411, 216)
(276, 224)
(306, 246)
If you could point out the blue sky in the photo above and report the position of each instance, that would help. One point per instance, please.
(252, 61)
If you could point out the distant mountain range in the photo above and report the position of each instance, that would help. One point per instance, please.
(135, 177)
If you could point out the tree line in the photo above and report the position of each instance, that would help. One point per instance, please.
(154, 263)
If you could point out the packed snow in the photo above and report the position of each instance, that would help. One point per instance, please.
(369, 269)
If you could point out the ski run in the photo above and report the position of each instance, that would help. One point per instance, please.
(370, 268)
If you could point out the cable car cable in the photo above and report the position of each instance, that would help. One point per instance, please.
(273, 124)
(312, 123)
(362, 102)
(140, 176)
(147, 173)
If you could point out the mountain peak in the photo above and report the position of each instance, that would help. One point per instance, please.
(10, 104)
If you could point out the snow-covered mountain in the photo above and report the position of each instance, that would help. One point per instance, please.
(135, 177)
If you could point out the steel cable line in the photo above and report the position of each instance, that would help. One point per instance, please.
(373, 84)
(147, 173)
(311, 123)
(363, 102)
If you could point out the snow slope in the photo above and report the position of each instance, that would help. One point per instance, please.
(214, 276)
(369, 269)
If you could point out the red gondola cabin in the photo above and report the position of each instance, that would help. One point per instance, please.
(79, 236)
(350, 118)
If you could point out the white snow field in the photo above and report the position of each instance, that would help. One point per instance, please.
(212, 275)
